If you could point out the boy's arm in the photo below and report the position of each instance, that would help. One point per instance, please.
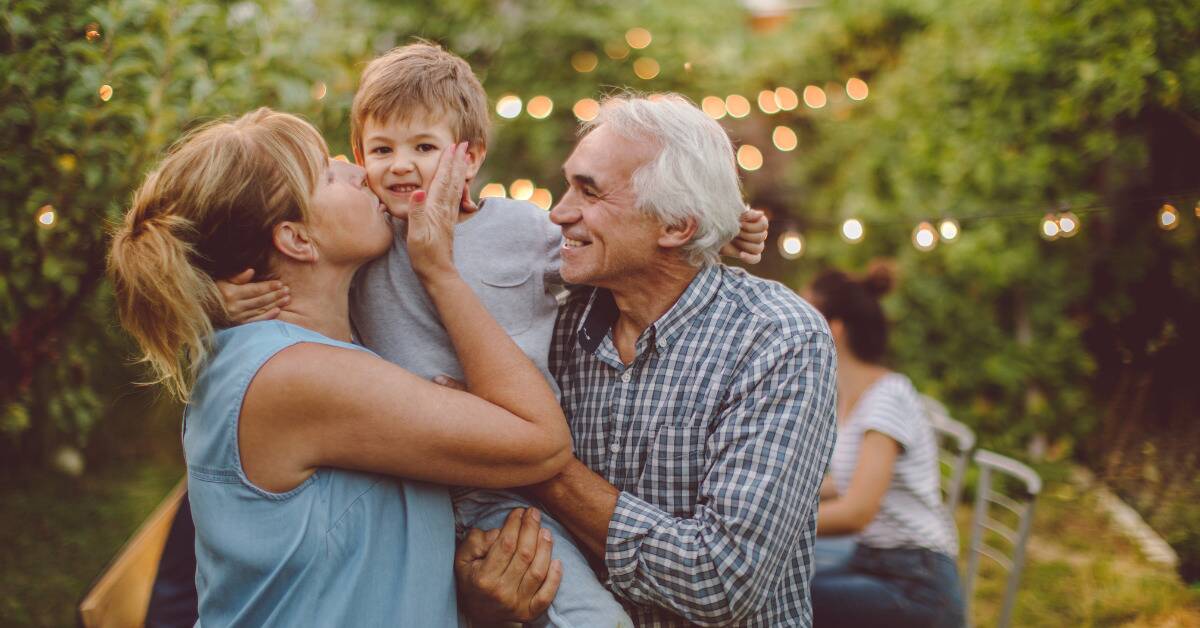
(247, 302)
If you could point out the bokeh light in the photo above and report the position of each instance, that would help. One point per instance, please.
(106, 92)
(784, 138)
(46, 216)
(319, 90)
(586, 109)
(638, 37)
(542, 198)
(1168, 217)
(1050, 230)
(853, 231)
(93, 31)
(521, 189)
(814, 97)
(737, 105)
(787, 98)
(616, 50)
(540, 107)
(767, 101)
(645, 68)
(856, 89)
(66, 162)
(341, 157)
(791, 244)
(925, 237)
(509, 106)
(713, 106)
(948, 228)
(1068, 224)
(492, 190)
(749, 158)
(584, 61)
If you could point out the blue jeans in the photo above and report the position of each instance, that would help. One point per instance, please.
(581, 602)
(889, 587)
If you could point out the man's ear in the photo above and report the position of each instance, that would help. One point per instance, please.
(673, 236)
(294, 241)
(475, 155)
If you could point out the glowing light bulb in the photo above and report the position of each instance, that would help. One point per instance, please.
(856, 89)
(1168, 217)
(1068, 224)
(645, 68)
(925, 237)
(584, 61)
(814, 97)
(521, 189)
(749, 158)
(737, 105)
(319, 90)
(46, 216)
(767, 102)
(509, 106)
(539, 107)
(948, 228)
(852, 230)
(106, 92)
(586, 109)
(638, 37)
(714, 107)
(492, 190)
(1050, 229)
(791, 244)
(784, 138)
(542, 198)
(787, 98)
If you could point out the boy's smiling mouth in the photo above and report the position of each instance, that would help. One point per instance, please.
(403, 188)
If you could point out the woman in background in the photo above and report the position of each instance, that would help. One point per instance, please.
(884, 479)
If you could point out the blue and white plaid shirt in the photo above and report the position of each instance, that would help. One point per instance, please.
(718, 436)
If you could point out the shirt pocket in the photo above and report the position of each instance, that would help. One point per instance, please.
(674, 467)
(507, 291)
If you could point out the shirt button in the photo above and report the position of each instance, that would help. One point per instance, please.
(614, 448)
(625, 376)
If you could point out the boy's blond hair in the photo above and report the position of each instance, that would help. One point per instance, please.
(420, 79)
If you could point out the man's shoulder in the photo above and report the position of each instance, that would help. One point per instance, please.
(774, 305)
(511, 210)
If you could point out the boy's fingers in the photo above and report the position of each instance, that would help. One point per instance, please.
(755, 237)
(265, 316)
(243, 277)
(271, 299)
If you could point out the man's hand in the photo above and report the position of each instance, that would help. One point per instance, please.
(507, 574)
(749, 243)
(247, 302)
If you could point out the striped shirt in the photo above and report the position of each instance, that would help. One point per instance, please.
(717, 435)
(911, 514)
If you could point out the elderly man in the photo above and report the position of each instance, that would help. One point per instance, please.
(700, 398)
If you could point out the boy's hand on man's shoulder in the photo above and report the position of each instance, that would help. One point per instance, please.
(749, 243)
(247, 302)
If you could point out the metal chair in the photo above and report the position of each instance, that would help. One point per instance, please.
(955, 442)
(991, 465)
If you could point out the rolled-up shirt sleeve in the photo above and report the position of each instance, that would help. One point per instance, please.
(765, 457)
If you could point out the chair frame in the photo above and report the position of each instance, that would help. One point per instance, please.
(963, 438)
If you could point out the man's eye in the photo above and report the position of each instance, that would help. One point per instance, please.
(589, 193)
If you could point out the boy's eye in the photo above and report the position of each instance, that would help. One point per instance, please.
(425, 148)
(381, 150)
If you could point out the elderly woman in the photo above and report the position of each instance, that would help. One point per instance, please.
(308, 456)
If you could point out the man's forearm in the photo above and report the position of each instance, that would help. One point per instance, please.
(582, 501)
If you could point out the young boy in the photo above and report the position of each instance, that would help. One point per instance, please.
(412, 103)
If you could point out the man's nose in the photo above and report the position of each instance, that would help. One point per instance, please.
(564, 213)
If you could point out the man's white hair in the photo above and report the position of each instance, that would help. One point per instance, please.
(694, 174)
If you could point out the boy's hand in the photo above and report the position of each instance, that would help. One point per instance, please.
(749, 243)
(247, 302)
(434, 213)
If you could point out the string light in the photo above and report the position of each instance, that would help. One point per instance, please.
(492, 190)
(737, 105)
(645, 68)
(1068, 224)
(948, 228)
(853, 231)
(106, 92)
(791, 244)
(521, 189)
(713, 106)
(542, 198)
(586, 109)
(509, 106)
(1168, 217)
(856, 89)
(638, 37)
(46, 216)
(539, 107)
(925, 237)
(616, 50)
(319, 90)
(787, 98)
(1050, 229)
(584, 61)
(768, 102)
(784, 138)
(749, 158)
(814, 97)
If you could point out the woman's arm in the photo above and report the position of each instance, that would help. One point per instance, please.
(828, 489)
(850, 513)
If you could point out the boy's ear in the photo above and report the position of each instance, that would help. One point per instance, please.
(294, 241)
(677, 235)
(475, 156)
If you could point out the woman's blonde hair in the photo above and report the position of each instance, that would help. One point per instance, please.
(207, 212)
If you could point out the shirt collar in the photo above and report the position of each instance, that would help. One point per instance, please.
(601, 312)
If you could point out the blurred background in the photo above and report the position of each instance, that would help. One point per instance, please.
(1030, 169)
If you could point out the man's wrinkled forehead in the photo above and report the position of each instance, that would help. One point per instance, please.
(604, 155)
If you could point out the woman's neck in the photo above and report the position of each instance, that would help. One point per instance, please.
(853, 379)
(320, 300)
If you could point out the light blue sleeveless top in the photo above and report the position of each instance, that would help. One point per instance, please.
(342, 549)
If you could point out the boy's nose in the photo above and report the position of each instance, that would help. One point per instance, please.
(401, 165)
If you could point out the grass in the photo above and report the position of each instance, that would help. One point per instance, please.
(61, 532)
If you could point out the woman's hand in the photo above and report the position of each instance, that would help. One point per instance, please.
(434, 213)
(247, 302)
(507, 574)
(749, 243)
